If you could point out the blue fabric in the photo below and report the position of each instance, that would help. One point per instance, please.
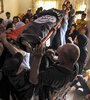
(63, 30)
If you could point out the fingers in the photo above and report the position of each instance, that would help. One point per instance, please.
(39, 50)
(50, 51)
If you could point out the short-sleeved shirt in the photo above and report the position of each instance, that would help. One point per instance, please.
(56, 77)
(26, 60)
(80, 23)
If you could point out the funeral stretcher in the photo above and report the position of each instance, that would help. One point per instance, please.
(42, 28)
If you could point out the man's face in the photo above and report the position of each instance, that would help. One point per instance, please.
(83, 17)
(72, 28)
(67, 11)
(73, 14)
(15, 20)
(29, 12)
(8, 16)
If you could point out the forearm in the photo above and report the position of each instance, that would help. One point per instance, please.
(65, 1)
(12, 49)
(9, 46)
(35, 70)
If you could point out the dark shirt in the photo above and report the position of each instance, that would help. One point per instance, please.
(10, 25)
(73, 35)
(55, 77)
(5, 55)
(82, 44)
(21, 86)
(70, 21)
(56, 40)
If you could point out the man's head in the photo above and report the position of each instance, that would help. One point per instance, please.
(67, 10)
(68, 53)
(73, 27)
(11, 66)
(15, 19)
(72, 12)
(8, 15)
(68, 4)
(83, 16)
(29, 11)
(2, 25)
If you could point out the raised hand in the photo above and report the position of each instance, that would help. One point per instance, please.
(39, 50)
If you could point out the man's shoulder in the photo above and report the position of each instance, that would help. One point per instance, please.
(78, 20)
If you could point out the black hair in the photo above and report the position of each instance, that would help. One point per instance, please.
(16, 18)
(84, 14)
(68, 2)
(1, 20)
(7, 13)
(73, 25)
(41, 8)
(12, 64)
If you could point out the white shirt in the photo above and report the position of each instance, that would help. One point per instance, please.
(7, 21)
(26, 60)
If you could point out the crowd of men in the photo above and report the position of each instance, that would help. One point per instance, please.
(42, 72)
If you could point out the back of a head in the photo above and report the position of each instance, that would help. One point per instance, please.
(70, 53)
(72, 12)
(12, 64)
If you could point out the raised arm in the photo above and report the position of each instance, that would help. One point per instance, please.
(12, 49)
(65, 1)
(2, 8)
(38, 53)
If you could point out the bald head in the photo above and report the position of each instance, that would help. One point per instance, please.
(68, 53)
